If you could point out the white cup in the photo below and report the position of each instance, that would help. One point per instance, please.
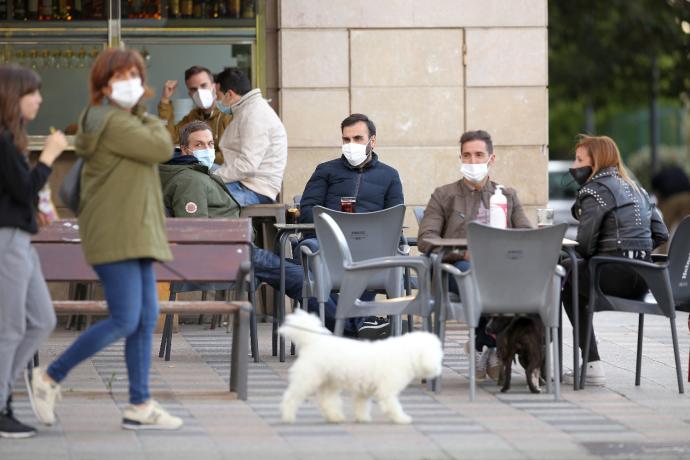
(544, 217)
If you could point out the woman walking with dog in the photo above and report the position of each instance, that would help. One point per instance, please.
(122, 228)
(26, 311)
(616, 219)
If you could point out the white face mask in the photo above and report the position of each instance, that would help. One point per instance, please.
(475, 172)
(126, 93)
(355, 154)
(205, 156)
(203, 98)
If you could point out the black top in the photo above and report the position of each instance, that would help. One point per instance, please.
(19, 186)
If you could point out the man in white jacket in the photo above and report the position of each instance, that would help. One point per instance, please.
(254, 145)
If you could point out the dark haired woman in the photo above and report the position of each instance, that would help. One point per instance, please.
(26, 311)
(122, 228)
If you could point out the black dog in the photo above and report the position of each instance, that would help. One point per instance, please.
(522, 336)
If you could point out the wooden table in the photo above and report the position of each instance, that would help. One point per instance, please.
(204, 250)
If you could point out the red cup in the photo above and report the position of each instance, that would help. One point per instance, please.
(347, 203)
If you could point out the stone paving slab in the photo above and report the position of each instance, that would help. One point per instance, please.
(618, 420)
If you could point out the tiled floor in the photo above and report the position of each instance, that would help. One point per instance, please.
(616, 421)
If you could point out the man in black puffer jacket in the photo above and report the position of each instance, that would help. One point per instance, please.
(357, 173)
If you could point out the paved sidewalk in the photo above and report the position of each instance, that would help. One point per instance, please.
(616, 421)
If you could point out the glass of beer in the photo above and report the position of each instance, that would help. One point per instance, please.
(292, 213)
(347, 203)
(544, 217)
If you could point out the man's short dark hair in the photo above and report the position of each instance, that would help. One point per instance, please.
(189, 128)
(356, 118)
(478, 135)
(234, 79)
(196, 69)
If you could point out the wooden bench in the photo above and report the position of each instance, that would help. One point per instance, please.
(204, 250)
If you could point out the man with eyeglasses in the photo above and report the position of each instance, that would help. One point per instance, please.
(202, 90)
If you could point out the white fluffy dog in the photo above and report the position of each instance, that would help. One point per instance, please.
(327, 364)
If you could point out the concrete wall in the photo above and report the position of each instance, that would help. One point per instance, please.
(424, 72)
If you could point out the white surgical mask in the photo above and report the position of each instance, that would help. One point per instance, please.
(203, 98)
(205, 156)
(126, 93)
(355, 154)
(475, 172)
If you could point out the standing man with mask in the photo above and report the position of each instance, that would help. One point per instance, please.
(454, 205)
(254, 146)
(357, 173)
(202, 90)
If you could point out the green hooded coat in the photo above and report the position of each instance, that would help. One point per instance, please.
(121, 208)
(190, 191)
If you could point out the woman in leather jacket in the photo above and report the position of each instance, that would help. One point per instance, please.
(615, 218)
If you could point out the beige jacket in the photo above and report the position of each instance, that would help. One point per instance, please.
(254, 146)
(453, 206)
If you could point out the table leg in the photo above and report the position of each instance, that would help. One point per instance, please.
(575, 315)
(281, 294)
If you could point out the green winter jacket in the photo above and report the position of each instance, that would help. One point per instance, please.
(121, 208)
(189, 190)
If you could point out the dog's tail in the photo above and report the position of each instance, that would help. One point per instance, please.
(302, 328)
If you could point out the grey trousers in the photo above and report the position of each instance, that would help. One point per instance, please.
(26, 312)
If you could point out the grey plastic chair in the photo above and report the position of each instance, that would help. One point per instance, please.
(668, 282)
(419, 213)
(514, 272)
(357, 277)
(368, 235)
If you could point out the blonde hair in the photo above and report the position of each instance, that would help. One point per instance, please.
(604, 153)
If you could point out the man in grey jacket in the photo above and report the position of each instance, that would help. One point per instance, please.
(254, 145)
(454, 205)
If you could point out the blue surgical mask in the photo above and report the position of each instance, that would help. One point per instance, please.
(226, 109)
(205, 156)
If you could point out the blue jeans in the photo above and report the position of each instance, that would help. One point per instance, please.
(267, 270)
(352, 325)
(130, 289)
(245, 196)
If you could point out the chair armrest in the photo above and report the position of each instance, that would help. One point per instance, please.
(641, 265)
(404, 250)
(452, 270)
(414, 262)
(659, 258)
(655, 276)
(560, 271)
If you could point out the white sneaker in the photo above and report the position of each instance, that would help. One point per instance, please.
(42, 395)
(150, 417)
(493, 367)
(595, 375)
(481, 359)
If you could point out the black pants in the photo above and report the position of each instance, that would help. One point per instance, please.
(615, 280)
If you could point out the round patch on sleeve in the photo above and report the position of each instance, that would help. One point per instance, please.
(191, 207)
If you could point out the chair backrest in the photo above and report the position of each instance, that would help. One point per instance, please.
(679, 264)
(419, 213)
(367, 235)
(514, 268)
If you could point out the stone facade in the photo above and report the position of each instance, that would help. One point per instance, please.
(425, 72)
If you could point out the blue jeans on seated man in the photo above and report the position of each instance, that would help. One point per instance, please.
(266, 270)
(481, 337)
(246, 197)
(352, 325)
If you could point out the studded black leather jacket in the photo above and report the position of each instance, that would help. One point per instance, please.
(616, 218)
